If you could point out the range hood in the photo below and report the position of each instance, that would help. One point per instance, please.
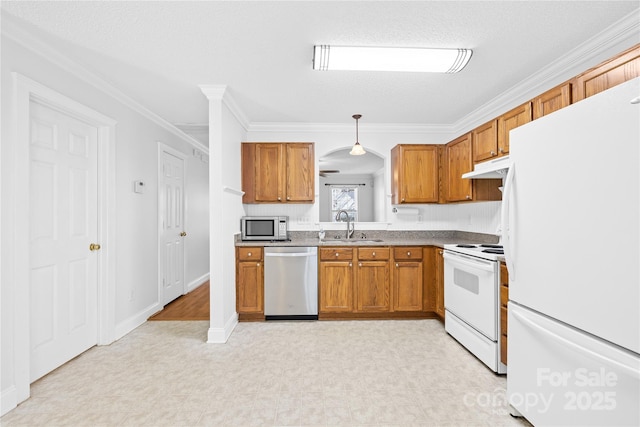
(492, 169)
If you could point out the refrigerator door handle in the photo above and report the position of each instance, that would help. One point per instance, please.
(544, 331)
(507, 240)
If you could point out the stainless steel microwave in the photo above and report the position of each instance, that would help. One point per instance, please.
(264, 227)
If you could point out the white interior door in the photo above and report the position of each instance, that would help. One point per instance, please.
(63, 223)
(172, 223)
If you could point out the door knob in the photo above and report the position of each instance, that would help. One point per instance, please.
(183, 234)
(94, 247)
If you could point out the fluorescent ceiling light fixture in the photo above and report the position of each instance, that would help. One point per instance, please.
(412, 59)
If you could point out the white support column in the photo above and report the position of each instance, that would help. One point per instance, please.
(223, 319)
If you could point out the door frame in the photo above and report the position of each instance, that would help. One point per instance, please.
(164, 148)
(24, 91)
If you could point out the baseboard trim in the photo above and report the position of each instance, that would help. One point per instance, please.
(197, 282)
(9, 398)
(221, 335)
(123, 328)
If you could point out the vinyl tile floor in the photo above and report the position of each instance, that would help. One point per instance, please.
(327, 373)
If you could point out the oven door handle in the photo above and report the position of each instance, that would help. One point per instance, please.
(469, 261)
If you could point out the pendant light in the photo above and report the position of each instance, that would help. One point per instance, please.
(357, 149)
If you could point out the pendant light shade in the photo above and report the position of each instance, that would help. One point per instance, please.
(357, 149)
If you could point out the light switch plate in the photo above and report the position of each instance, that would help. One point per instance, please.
(138, 187)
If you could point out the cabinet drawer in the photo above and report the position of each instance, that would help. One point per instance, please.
(373, 254)
(250, 254)
(335, 254)
(407, 253)
(504, 295)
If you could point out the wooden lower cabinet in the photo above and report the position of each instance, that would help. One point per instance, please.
(249, 283)
(439, 282)
(504, 299)
(376, 282)
(408, 283)
(336, 278)
(372, 280)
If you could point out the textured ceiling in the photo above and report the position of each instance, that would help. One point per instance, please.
(159, 52)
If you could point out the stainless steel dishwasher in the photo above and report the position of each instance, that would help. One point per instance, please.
(290, 283)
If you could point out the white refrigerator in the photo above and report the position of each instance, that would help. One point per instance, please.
(571, 215)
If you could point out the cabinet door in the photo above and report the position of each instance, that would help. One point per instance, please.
(552, 100)
(372, 290)
(485, 141)
(415, 178)
(440, 282)
(250, 287)
(407, 286)
(504, 298)
(269, 170)
(300, 172)
(625, 66)
(457, 162)
(511, 120)
(336, 287)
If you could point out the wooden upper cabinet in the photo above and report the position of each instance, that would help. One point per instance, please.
(278, 172)
(300, 175)
(511, 120)
(269, 179)
(415, 173)
(623, 67)
(457, 161)
(485, 141)
(552, 100)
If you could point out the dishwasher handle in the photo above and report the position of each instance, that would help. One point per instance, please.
(289, 254)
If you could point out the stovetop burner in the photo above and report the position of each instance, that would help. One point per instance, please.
(494, 251)
(482, 250)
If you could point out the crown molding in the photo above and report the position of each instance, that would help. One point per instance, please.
(622, 35)
(13, 30)
(397, 128)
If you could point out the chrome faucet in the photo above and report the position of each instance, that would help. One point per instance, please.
(350, 229)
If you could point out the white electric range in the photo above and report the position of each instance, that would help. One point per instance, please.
(472, 299)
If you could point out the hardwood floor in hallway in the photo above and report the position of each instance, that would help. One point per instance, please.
(192, 306)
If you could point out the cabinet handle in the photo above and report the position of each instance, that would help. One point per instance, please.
(359, 264)
(502, 150)
(468, 197)
(350, 264)
(249, 254)
(397, 265)
(337, 254)
(441, 252)
(288, 197)
(373, 254)
(403, 200)
(279, 198)
(493, 153)
(408, 253)
(258, 264)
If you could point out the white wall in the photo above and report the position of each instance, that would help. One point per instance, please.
(136, 231)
